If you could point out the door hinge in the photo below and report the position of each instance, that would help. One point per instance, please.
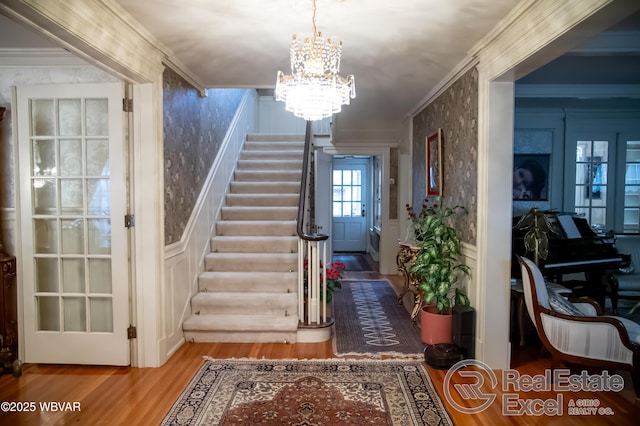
(132, 332)
(129, 221)
(127, 105)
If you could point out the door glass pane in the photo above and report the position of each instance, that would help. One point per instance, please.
(70, 157)
(583, 151)
(73, 275)
(48, 312)
(631, 219)
(337, 177)
(69, 117)
(98, 197)
(100, 276)
(101, 315)
(43, 157)
(97, 115)
(75, 313)
(42, 117)
(632, 187)
(337, 193)
(346, 177)
(99, 236)
(600, 150)
(337, 209)
(71, 196)
(45, 201)
(356, 208)
(98, 157)
(356, 193)
(598, 217)
(46, 275)
(357, 179)
(72, 236)
(46, 235)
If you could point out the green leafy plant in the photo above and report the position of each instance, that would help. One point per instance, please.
(438, 265)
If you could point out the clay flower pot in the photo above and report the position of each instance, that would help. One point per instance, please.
(435, 327)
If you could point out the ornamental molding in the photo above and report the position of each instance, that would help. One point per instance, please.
(101, 33)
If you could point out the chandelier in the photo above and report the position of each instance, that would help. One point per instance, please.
(314, 90)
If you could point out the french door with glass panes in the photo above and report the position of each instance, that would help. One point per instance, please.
(72, 203)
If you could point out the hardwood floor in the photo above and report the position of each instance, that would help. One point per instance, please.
(143, 396)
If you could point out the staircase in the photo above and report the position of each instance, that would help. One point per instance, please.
(248, 292)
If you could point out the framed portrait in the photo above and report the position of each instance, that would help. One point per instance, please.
(531, 177)
(434, 163)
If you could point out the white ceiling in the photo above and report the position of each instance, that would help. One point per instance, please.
(398, 50)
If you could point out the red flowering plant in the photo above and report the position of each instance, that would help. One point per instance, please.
(334, 274)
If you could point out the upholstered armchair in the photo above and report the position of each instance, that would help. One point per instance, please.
(575, 333)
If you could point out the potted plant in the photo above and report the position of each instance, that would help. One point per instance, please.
(334, 274)
(438, 268)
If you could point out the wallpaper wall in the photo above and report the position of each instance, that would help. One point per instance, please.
(456, 112)
(194, 129)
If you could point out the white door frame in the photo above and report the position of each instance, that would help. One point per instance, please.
(389, 228)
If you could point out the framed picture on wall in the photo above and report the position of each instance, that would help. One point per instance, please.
(530, 177)
(434, 163)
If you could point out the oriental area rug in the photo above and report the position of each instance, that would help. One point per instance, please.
(311, 392)
(370, 321)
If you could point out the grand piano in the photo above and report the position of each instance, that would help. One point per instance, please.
(575, 248)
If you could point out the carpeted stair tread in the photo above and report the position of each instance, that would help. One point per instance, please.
(275, 137)
(269, 165)
(268, 176)
(262, 199)
(237, 303)
(246, 281)
(252, 244)
(269, 155)
(265, 187)
(263, 213)
(257, 227)
(267, 262)
(273, 146)
(241, 322)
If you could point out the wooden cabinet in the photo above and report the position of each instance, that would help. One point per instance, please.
(8, 314)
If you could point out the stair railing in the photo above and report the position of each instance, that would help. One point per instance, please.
(312, 251)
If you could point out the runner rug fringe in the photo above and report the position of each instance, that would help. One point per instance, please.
(310, 392)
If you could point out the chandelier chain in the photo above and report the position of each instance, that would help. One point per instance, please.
(313, 20)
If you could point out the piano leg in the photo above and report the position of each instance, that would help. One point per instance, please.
(597, 283)
(613, 293)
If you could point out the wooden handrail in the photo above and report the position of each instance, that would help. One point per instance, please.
(302, 201)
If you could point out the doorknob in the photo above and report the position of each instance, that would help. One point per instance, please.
(362, 212)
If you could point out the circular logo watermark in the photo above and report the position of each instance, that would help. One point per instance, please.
(470, 391)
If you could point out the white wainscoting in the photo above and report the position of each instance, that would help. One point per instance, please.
(184, 260)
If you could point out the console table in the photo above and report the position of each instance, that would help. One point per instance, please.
(405, 258)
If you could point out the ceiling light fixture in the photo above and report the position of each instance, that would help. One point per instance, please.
(314, 90)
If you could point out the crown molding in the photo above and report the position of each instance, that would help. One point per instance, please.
(454, 75)
(49, 57)
(101, 33)
(543, 26)
(579, 91)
